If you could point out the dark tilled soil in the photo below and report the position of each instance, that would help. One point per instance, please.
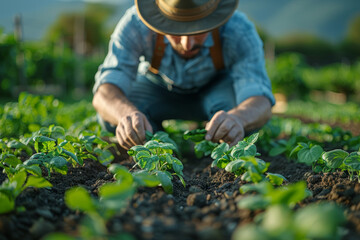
(205, 209)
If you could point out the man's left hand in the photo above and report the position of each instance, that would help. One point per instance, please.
(225, 127)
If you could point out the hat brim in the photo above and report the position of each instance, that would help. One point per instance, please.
(152, 17)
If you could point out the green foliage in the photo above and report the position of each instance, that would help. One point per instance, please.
(287, 195)
(285, 75)
(14, 185)
(156, 157)
(32, 112)
(315, 221)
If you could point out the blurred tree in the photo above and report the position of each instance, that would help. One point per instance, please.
(316, 51)
(353, 34)
(92, 21)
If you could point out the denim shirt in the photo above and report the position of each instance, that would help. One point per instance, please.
(131, 49)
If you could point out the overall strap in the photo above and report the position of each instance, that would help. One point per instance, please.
(215, 52)
(158, 54)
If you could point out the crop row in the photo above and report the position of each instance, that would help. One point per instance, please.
(29, 160)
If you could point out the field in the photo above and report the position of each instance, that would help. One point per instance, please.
(63, 178)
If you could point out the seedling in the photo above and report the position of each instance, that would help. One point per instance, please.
(12, 187)
(157, 158)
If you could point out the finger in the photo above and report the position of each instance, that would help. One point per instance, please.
(130, 132)
(224, 129)
(121, 139)
(139, 128)
(214, 124)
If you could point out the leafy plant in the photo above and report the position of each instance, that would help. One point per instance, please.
(268, 195)
(156, 157)
(315, 221)
(14, 185)
(202, 147)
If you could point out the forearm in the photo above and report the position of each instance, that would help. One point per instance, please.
(111, 103)
(253, 113)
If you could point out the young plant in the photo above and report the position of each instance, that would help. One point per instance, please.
(267, 195)
(202, 147)
(113, 199)
(14, 185)
(242, 161)
(315, 221)
(157, 158)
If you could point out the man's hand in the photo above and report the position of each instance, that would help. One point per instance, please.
(225, 127)
(131, 128)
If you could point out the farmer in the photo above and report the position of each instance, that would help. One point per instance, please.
(183, 59)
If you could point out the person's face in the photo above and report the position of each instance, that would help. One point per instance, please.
(187, 46)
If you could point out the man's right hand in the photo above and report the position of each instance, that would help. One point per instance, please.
(131, 128)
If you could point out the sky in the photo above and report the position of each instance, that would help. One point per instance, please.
(325, 18)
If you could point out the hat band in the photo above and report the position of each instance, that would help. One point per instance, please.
(186, 15)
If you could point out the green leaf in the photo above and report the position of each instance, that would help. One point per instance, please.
(152, 144)
(196, 135)
(58, 162)
(223, 162)
(253, 202)
(167, 146)
(263, 188)
(289, 194)
(148, 135)
(19, 180)
(121, 174)
(77, 198)
(135, 149)
(277, 219)
(326, 217)
(115, 195)
(309, 155)
(143, 154)
(165, 181)
(334, 158)
(204, 148)
(220, 151)
(177, 166)
(144, 178)
(6, 205)
(275, 151)
(235, 165)
(250, 232)
(38, 182)
(33, 169)
(105, 157)
(275, 179)
(73, 156)
(252, 138)
(181, 180)
(353, 161)
(10, 160)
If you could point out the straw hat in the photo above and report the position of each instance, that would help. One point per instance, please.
(184, 17)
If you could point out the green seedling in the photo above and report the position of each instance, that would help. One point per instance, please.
(113, 198)
(279, 222)
(202, 147)
(267, 195)
(157, 158)
(12, 187)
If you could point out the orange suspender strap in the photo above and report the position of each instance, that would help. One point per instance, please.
(215, 52)
(158, 54)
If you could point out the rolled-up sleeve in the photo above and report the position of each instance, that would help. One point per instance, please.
(121, 63)
(246, 61)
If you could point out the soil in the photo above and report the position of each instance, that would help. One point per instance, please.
(205, 209)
